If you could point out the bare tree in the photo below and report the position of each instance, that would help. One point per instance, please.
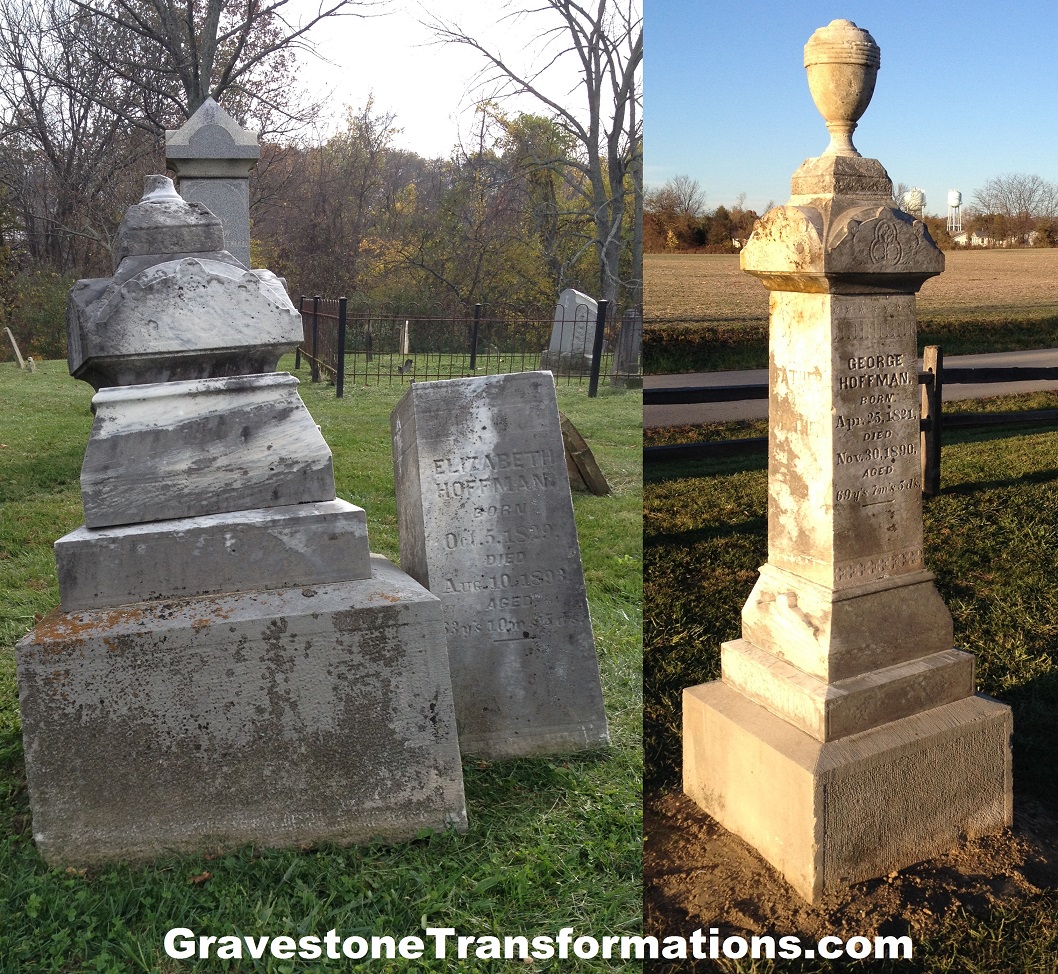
(606, 39)
(180, 52)
(681, 195)
(64, 160)
(1019, 199)
(88, 86)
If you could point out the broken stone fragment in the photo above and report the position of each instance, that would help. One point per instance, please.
(178, 306)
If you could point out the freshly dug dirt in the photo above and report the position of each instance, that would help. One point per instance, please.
(698, 875)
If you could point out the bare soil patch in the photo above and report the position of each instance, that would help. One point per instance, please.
(992, 281)
(698, 875)
(700, 287)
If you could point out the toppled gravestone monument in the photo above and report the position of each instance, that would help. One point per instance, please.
(230, 663)
(572, 333)
(844, 740)
(486, 523)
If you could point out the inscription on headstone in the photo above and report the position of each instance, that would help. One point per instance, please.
(486, 523)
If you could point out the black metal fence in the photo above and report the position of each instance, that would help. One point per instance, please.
(380, 347)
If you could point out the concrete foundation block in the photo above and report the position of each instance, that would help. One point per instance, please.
(281, 717)
(278, 547)
(826, 815)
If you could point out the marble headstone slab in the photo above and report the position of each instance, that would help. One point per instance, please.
(486, 523)
(573, 332)
(628, 351)
(212, 155)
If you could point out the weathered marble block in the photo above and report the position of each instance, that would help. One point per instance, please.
(195, 317)
(280, 547)
(486, 523)
(186, 449)
(318, 714)
(163, 224)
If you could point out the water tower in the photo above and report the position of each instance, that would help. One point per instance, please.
(913, 202)
(954, 211)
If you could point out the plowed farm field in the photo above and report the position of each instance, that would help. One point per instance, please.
(712, 287)
(701, 312)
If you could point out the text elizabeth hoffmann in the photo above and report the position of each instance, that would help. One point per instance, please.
(443, 943)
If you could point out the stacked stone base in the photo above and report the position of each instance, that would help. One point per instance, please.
(278, 717)
(830, 814)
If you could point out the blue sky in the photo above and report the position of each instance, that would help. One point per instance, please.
(965, 92)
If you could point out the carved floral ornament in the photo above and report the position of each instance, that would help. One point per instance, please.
(863, 241)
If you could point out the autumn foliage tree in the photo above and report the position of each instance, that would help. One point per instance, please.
(605, 39)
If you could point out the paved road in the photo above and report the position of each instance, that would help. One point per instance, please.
(718, 412)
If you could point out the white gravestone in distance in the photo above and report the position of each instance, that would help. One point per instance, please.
(486, 523)
(844, 740)
(572, 334)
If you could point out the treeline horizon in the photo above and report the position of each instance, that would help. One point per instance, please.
(535, 203)
(1011, 210)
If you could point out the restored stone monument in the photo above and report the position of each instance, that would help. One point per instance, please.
(572, 334)
(844, 739)
(230, 664)
(486, 523)
(212, 156)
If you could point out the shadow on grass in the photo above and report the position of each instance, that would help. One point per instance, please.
(715, 531)
(982, 486)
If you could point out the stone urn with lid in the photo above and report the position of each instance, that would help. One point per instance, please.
(842, 62)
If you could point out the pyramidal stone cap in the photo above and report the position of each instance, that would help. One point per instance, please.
(211, 144)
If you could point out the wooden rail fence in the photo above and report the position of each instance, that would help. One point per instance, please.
(933, 379)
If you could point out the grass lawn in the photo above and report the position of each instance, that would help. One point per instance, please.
(991, 538)
(552, 843)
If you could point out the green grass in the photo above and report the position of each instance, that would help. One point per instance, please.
(552, 843)
(991, 537)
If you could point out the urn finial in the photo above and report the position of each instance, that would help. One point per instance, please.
(842, 62)
(159, 189)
